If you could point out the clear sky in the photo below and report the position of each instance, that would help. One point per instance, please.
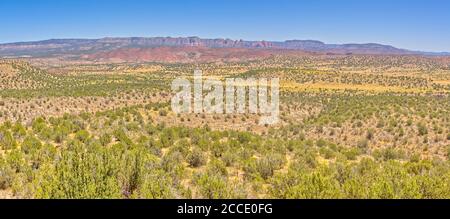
(411, 24)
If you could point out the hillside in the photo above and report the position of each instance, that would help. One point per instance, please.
(187, 54)
(76, 48)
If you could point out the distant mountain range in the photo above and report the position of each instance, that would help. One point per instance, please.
(107, 48)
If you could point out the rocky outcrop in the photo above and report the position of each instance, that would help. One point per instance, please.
(57, 47)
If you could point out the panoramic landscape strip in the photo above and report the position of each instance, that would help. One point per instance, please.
(225, 108)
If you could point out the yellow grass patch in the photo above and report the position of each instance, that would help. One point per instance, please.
(443, 82)
(293, 86)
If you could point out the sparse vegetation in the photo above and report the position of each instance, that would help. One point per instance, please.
(351, 127)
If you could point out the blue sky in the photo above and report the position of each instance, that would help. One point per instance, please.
(412, 24)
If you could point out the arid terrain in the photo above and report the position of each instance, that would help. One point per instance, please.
(99, 124)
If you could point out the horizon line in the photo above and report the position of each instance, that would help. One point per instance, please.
(222, 38)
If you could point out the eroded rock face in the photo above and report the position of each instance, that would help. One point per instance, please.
(78, 47)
